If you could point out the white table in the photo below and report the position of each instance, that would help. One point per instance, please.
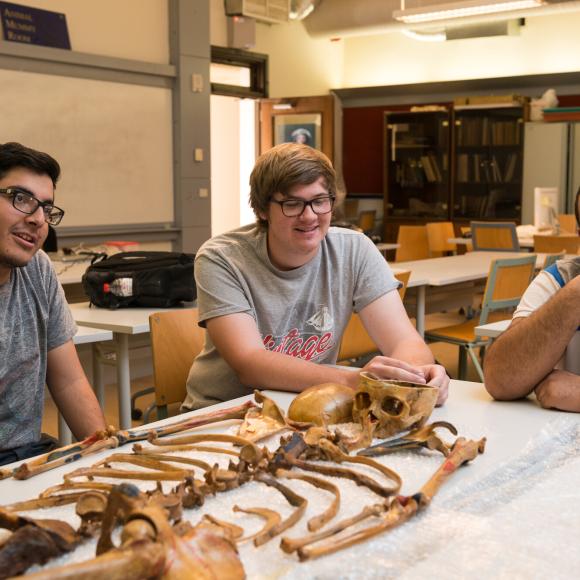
(86, 335)
(492, 329)
(122, 323)
(511, 513)
(450, 270)
(70, 272)
(384, 247)
(524, 242)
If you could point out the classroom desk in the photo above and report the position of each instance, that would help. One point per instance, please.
(122, 323)
(492, 329)
(384, 247)
(86, 335)
(450, 270)
(524, 242)
(511, 513)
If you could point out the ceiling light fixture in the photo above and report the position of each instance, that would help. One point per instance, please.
(438, 36)
(451, 10)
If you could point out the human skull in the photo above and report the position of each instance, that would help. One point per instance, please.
(323, 405)
(386, 407)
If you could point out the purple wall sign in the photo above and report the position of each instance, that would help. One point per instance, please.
(34, 26)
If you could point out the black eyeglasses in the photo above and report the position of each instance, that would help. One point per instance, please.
(296, 207)
(25, 202)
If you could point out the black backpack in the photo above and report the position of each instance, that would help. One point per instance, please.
(149, 279)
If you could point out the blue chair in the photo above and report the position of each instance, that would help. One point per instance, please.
(494, 236)
(507, 281)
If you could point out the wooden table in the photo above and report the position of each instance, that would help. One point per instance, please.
(122, 323)
(450, 270)
(511, 513)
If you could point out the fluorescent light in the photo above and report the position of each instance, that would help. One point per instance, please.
(460, 9)
(438, 36)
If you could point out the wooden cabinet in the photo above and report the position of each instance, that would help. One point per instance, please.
(452, 164)
(488, 161)
(416, 175)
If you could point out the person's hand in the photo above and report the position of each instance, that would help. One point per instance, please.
(384, 367)
(437, 376)
(559, 390)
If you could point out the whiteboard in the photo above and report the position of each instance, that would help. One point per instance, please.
(112, 140)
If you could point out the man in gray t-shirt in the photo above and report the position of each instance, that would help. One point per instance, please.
(276, 296)
(36, 326)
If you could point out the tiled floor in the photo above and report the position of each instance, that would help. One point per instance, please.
(446, 354)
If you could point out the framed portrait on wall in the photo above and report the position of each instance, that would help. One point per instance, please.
(298, 128)
(308, 120)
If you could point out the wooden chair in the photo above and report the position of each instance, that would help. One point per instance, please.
(567, 223)
(494, 236)
(507, 281)
(437, 235)
(551, 244)
(414, 244)
(366, 220)
(176, 339)
(351, 209)
(356, 342)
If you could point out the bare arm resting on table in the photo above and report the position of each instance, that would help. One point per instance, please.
(523, 358)
(72, 393)
(238, 341)
(388, 325)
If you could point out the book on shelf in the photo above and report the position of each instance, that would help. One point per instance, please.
(510, 167)
(428, 169)
(495, 171)
(435, 166)
(462, 167)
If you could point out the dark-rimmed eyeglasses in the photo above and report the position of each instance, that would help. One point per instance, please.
(296, 207)
(25, 202)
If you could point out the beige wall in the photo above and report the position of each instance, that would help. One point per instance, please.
(303, 66)
(299, 65)
(546, 44)
(133, 29)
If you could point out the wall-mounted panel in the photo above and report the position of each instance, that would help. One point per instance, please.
(113, 141)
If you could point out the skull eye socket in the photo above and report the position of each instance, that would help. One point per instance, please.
(392, 406)
(362, 400)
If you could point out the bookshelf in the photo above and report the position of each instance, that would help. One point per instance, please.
(416, 165)
(455, 164)
(488, 161)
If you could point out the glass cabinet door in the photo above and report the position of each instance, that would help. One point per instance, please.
(487, 181)
(417, 165)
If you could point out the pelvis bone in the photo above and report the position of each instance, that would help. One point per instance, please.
(387, 407)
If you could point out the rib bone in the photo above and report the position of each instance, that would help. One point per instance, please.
(316, 522)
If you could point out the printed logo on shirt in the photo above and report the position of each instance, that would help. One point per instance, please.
(322, 320)
(310, 345)
(305, 346)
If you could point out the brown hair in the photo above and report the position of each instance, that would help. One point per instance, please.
(282, 168)
(14, 156)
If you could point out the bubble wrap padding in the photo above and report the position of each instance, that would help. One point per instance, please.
(520, 520)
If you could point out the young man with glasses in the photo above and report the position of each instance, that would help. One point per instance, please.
(276, 296)
(36, 326)
(540, 351)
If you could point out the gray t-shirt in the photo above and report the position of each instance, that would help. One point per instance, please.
(34, 319)
(301, 312)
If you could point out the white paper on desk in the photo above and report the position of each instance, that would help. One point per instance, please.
(545, 207)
